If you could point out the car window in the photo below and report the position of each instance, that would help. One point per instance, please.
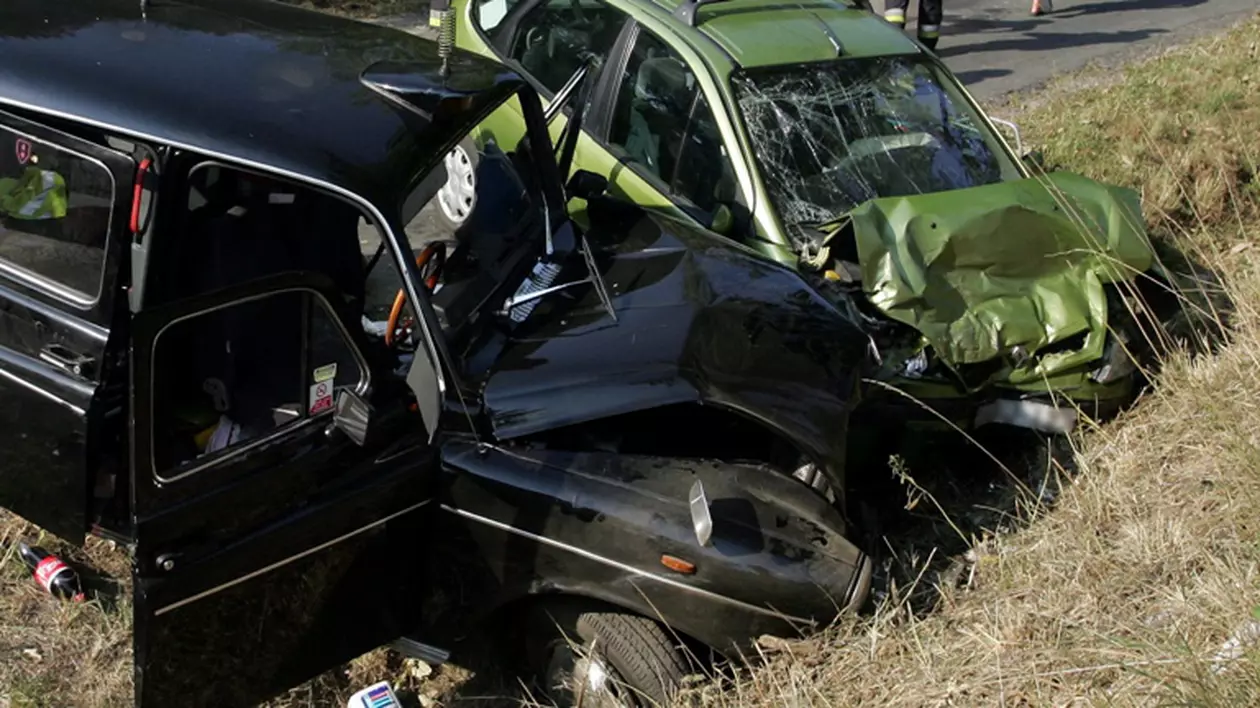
(831, 135)
(489, 14)
(236, 374)
(55, 208)
(558, 36)
(663, 123)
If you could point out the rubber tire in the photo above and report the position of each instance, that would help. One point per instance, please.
(474, 157)
(641, 652)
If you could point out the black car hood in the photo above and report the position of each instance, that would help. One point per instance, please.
(697, 319)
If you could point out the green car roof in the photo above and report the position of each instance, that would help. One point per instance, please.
(769, 32)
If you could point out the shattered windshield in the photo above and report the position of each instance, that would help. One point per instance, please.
(830, 136)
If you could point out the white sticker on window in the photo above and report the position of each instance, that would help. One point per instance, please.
(327, 372)
(321, 397)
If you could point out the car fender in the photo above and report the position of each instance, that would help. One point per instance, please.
(601, 525)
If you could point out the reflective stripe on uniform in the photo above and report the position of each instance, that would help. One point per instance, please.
(929, 31)
(34, 206)
(895, 16)
(37, 194)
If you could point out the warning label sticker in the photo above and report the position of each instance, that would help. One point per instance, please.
(321, 397)
(326, 372)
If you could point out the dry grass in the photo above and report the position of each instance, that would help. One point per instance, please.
(1119, 595)
(54, 653)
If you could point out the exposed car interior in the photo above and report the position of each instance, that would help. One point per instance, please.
(556, 37)
(236, 373)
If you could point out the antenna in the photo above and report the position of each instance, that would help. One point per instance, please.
(442, 18)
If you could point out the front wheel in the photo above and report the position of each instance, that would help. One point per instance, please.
(604, 659)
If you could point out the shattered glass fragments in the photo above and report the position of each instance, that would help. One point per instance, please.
(833, 135)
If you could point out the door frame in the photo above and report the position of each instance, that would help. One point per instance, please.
(59, 400)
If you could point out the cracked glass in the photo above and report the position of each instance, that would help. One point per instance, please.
(830, 136)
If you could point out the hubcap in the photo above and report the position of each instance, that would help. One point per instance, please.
(457, 197)
(573, 680)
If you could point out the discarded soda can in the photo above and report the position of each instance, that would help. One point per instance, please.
(378, 695)
(52, 574)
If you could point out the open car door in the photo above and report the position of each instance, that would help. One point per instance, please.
(64, 207)
(275, 544)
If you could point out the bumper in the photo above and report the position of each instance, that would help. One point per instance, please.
(923, 404)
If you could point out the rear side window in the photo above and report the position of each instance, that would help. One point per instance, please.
(55, 208)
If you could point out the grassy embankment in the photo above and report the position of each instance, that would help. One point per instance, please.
(1120, 594)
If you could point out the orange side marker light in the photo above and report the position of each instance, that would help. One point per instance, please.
(678, 565)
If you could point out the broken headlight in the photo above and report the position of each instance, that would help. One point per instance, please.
(917, 365)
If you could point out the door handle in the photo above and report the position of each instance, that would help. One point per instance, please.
(67, 360)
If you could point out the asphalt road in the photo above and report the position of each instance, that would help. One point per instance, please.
(996, 46)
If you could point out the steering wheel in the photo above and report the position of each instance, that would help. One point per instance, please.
(434, 257)
(533, 36)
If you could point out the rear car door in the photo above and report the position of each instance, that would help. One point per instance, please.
(270, 546)
(64, 206)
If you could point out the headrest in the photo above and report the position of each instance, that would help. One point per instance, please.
(663, 78)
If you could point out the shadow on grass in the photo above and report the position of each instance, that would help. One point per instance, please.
(103, 588)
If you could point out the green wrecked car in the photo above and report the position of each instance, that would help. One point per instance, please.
(821, 137)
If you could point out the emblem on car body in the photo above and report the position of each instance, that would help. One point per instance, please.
(23, 150)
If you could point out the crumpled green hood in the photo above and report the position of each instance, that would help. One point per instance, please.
(981, 271)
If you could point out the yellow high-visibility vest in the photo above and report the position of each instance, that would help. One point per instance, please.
(37, 194)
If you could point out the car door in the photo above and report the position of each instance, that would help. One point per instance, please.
(270, 545)
(547, 41)
(64, 205)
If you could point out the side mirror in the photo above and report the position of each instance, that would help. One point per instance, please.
(722, 220)
(701, 516)
(1019, 140)
(353, 417)
(586, 185)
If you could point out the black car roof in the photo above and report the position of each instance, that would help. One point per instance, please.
(250, 80)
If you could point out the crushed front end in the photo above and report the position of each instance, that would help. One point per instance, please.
(1016, 303)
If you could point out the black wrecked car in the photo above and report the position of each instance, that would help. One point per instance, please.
(229, 342)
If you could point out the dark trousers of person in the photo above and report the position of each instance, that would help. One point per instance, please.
(930, 13)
